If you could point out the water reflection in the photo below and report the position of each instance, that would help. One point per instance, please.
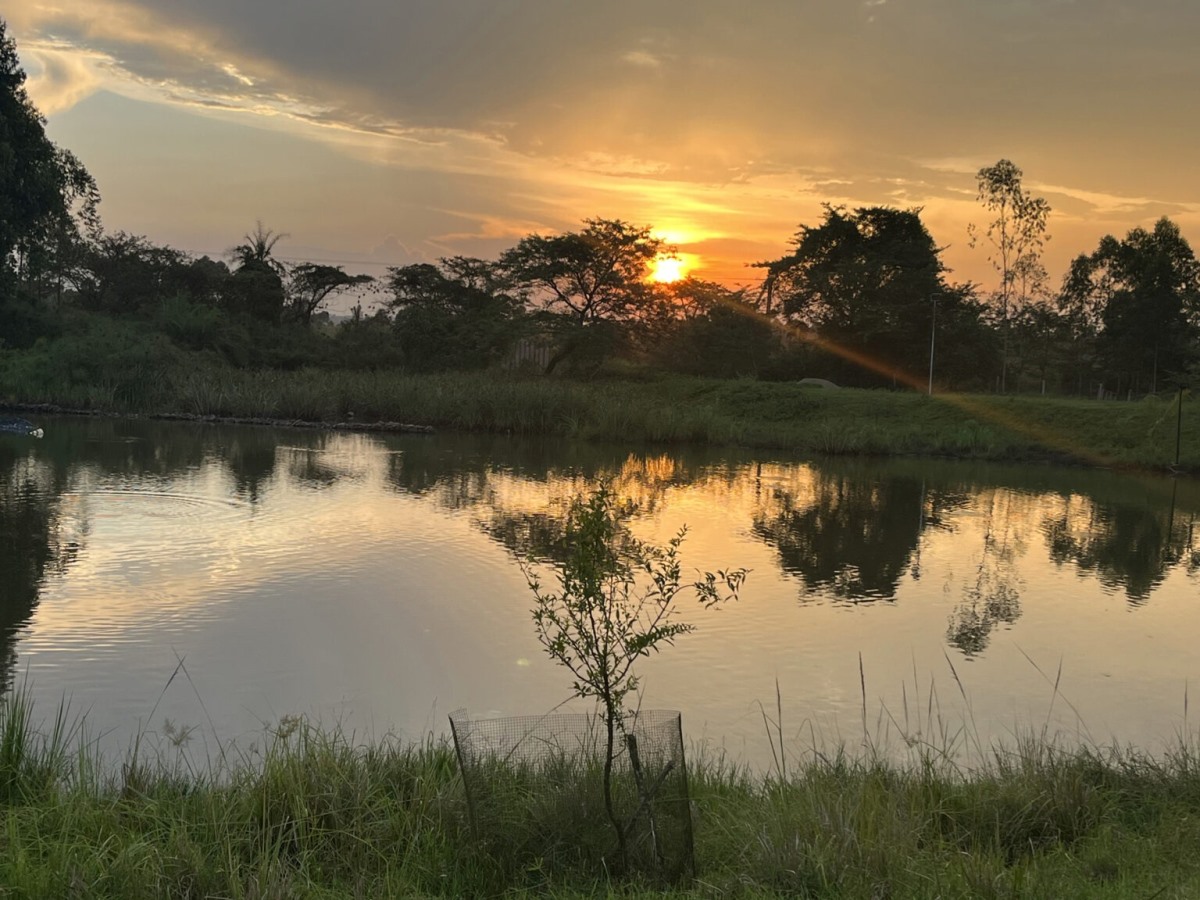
(851, 532)
(278, 556)
(32, 545)
(847, 534)
(1129, 546)
(991, 597)
(250, 456)
(522, 503)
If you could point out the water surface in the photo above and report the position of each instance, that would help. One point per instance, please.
(373, 581)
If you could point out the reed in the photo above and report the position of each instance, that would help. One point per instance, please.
(660, 409)
(312, 812)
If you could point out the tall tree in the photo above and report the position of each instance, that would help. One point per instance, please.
(125, 273)
(1016, 235)
(455, 315)
(862, 285)
(597, 273)
(1141, 296)
(310, 285)
(258, 249)
(256, 287)
(46, 195)
(595, 278)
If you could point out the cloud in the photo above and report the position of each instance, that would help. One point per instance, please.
(60, 76)
(803, 84)
(642, 59)
(530, 115)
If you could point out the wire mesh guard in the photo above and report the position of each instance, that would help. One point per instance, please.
(535, 791)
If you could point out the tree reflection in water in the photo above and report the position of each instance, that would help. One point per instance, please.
(848, 536)
(850, 531)
(992, 597)
(1128, 546)
(32, 546)
(524, 507)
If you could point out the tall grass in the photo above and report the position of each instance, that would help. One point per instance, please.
(313, 813)
(658, 409)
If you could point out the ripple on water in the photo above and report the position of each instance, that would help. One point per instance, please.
(164, 504)
(148, 562)
(143, 519)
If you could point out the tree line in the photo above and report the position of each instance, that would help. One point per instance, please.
(861, 298)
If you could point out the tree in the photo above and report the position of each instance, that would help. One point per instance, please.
(126, 273)
(256, 287)
(204, 280)
(310, 285)
(1045, 342)
(601, 621)
(594, 276)
(691, 298)
(455, 315)
(1017, 236)
(860, 284)
(596, 273)
(716, 332)
(46, 195)
(1140, 298)
(257, 249)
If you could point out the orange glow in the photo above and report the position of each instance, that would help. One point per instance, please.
(668, 269)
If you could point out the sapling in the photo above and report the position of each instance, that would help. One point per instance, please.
(615, 603)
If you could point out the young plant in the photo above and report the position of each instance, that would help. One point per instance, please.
(615, 603)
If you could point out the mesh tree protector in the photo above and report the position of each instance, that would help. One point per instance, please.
(535, 797)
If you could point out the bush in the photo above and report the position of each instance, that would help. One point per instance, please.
(99, 362)
(22, 323)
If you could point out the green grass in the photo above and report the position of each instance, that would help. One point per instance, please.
(662, 409)
(313, 814)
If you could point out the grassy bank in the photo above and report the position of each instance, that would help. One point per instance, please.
(312, 815)
(658, 409)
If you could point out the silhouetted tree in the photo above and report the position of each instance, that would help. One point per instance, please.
(256, 287)
(310, 285)
(1140, 298)
(597, 275)
(1044, 339)
(125, 273)
(258, 247)
(861, 283)
(46, 195)
(720, 333)
(455, 315)
(1016, 236)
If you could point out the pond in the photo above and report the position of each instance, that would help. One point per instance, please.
(167, 577)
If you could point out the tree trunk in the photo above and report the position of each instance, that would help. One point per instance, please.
(610, 722)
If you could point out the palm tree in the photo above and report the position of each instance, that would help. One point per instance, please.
(257, 284)
(256, 250)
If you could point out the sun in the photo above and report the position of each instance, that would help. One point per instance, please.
(668, 269)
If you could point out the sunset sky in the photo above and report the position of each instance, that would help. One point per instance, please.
(384, 132)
